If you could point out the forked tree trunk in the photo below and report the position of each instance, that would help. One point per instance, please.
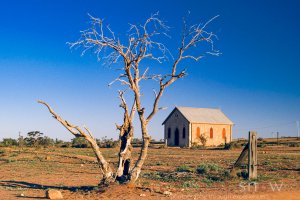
(126, 135)
(135, 172)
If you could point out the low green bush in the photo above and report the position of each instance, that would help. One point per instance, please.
(184, 168)
(107, 143)
(243, 174)
(294, 144)
(80, 142)
(205, 168)
(260, 139)
(8, 142)
(232, 145)
(190, 184)
(197, 146)
(2, 152)
(202, 169)
(261, 145)
(207, 181)
(166, 177)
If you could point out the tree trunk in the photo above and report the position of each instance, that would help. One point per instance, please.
(126, 135)
(134, 175)
(108, 175)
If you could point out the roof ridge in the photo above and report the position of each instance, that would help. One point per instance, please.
(197, 107)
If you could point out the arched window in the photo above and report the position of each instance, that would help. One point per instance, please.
(211, 133)
(169, 132)
(224, 133)
(183, 132)
(198, 132)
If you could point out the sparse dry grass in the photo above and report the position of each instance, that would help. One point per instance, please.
(172, 169)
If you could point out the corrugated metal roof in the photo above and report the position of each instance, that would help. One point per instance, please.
(204, 115)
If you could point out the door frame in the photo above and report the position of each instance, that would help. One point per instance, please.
(176, 137)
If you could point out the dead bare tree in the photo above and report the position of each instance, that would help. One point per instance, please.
(142, 43)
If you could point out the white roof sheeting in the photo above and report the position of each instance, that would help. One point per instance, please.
(203, 115)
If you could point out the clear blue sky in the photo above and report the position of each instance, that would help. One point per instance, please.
(255, 81)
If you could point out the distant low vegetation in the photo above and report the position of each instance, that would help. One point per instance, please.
(38, 139)
(263, 142)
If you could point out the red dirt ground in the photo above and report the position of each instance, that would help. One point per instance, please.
(28, 173)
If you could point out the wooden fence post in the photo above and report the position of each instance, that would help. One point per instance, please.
(252, 155)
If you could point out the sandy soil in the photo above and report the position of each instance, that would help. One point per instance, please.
(28, 173)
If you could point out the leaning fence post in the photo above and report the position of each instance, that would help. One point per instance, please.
(252, 155)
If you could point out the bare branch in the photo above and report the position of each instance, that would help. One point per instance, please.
(190, 38)
(89, 132)
(123, 102)
(192, 57)
(120, 79)
(97, 38)
(65, 123)
(104, 166)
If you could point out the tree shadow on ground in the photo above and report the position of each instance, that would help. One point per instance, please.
(27, 185)
(31, 197)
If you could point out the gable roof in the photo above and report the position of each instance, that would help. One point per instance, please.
(202, 115)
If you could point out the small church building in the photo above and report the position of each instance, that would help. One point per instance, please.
(184, 126)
